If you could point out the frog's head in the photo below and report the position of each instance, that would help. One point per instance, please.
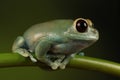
(82, 30)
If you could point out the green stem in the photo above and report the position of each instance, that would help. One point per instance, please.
(81, 62)
(96, 64)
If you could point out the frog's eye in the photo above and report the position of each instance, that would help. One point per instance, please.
(81, 25)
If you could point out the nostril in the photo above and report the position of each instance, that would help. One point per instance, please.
(94, 32)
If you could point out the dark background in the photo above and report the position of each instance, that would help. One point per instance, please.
(18, 15)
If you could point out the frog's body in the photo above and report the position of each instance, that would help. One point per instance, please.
(57, 37)
(47, 30)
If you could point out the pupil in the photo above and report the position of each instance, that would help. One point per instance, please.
(81, 26)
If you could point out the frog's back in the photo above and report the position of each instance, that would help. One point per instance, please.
(43, 29)
(51, 26)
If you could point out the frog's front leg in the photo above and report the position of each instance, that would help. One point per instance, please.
(41, 51)
(20, 47)
(66, 60)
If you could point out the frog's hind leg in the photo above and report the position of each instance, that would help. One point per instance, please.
(19, 46)
(67, 59)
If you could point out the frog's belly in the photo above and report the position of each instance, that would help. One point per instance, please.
(67, 48)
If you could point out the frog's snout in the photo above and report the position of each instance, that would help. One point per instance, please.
(96, 35)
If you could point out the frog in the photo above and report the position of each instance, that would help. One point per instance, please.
(56, 42)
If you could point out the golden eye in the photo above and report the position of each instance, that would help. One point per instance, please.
(81, 25)
(89, 22)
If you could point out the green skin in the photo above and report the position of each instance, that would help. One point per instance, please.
(54, 42)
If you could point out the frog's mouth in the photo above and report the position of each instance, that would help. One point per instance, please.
(84, 43)
(91, 35)
(83, 38)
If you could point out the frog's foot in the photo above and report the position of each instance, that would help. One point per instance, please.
(25, 53)
(66, 61)
(55, 61)
(22, 52)
(62, 66)
(54, 65)
(32, 58)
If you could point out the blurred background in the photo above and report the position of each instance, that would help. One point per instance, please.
(18, 15)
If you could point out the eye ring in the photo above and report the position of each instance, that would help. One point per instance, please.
(81, 25)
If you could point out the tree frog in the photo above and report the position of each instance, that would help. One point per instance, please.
(56, 42)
